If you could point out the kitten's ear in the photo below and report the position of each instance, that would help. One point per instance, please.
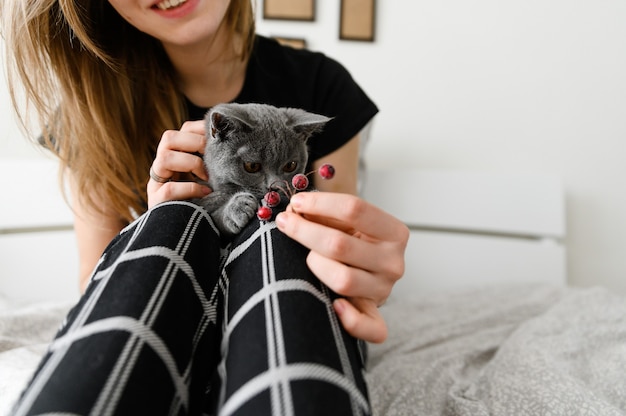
(214, 124)
(221, 120)
(304, 123)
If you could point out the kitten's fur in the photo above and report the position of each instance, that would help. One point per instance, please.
(250, 149)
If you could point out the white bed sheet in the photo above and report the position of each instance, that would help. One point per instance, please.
(25, 331)
(522, 350)
(498, 350)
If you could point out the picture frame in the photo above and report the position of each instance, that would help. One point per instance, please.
(357, 20)
(296, 43)
(303, 10)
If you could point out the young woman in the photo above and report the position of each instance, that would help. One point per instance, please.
(168, 323)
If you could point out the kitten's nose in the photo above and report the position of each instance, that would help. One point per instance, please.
(276, 183)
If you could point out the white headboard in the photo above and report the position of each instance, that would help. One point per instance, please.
(474, 228)
(467, 229)
(38, 254)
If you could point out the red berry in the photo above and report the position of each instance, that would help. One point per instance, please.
(326, 171)
(272, 198)
(300, 181)
(264, 213)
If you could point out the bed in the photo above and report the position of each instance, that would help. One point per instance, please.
(483, 323)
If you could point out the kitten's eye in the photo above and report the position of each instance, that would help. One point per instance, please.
(290, 167)
(252, 167)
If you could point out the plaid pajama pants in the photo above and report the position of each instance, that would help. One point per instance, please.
(172, 323)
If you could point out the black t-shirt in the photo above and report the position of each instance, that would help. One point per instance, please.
(299, 78)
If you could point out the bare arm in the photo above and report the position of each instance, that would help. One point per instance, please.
(93, 233)
(346, 162)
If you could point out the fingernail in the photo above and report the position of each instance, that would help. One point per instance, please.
(339, 306)
(206, 190)
(281, 220)
(295, 201)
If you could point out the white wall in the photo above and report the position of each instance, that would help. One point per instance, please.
(535, 85)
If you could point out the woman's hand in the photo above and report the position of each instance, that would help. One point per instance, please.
(357, 250)
(177, 165)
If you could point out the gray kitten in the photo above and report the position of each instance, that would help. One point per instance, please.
(252, 148)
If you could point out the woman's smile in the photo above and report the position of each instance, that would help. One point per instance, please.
(175, 8)
(174, 22)
(170, 4)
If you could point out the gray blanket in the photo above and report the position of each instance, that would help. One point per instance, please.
(25, 331)
(508, 351)
(530, 350)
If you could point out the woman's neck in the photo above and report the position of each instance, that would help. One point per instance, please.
(209, 73)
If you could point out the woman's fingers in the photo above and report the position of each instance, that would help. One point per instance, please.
(349, 281)
(330, 242)
(196, 126)
(187, 139)
(349, 235)
(361, 318)
(171, 162)
(178, 152)
(175, 191)
(177, 165)
(352, 212)
(356, 249)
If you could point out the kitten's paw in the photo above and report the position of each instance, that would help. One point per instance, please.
(240, 210)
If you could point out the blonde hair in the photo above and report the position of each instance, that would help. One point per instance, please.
(103, 91)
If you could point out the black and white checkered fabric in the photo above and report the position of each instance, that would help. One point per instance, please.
(172, 323)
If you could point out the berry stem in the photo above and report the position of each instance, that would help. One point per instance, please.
(287, 191)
